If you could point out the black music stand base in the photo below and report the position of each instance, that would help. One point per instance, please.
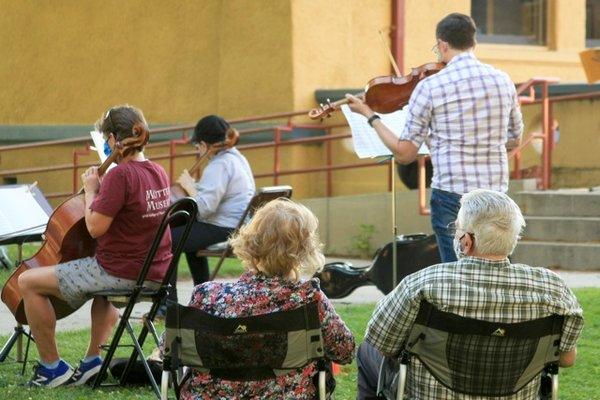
(16, 338)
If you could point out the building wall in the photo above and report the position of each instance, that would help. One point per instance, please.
(66, 62)
(336, 44)
(69, 61)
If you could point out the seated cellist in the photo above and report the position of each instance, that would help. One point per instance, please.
(123, 211)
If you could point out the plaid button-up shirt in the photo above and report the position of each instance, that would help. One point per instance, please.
(466, 113)
(495, 291)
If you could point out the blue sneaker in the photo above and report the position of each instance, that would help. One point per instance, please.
(85, 372)
(45, 377)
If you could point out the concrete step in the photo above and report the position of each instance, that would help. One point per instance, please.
(562, 229)
(568, 256)
(564, 203)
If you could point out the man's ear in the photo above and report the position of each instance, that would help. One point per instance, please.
(444, 46)
(468, 242)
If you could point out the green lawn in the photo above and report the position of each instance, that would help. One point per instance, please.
(578, 383)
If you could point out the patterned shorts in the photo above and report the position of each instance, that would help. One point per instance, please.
(79, 279)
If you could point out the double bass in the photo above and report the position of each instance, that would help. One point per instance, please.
(66, 238)
(384, 94)
(232, 137)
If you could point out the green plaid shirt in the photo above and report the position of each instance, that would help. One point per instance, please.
(496, 291)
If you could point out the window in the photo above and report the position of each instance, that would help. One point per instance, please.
(510, 21)
(592, 23)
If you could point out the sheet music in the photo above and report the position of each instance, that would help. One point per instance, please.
(5, 225)
(20, 212)
(366, 142)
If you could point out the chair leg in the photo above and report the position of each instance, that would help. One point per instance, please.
(114, 343)
(140, 354)
(164, 385)
(147, 326)
(401, 381)
(218, 266)
(322, 385)
(26, 352)
(152, 329)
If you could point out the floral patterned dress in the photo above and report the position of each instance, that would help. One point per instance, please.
(255, 294)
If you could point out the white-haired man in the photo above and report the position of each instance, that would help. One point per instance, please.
(482, 284)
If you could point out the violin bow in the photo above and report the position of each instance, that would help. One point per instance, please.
(389, 53)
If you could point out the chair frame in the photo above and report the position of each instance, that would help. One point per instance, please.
(181, 213)
(260, 198)
(550, 368)
(172, 371)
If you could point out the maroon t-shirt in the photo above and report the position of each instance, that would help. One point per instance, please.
(136, 195)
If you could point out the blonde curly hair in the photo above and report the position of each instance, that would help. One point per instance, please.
(280, 240)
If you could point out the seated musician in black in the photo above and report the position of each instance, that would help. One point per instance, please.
(223, 193)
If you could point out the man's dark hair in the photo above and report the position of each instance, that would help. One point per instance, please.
(458, 30)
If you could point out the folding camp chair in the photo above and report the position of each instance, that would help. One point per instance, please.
(261, 197)
(181, 213)
(477, 357)
(242, 349)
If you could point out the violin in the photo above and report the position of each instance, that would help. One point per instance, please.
(232, 137)
(384, 94)
(66, 237)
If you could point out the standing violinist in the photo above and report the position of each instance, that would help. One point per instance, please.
(468, 114)
(223, 193)
(122, 212)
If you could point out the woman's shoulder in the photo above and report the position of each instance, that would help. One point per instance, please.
(207, 288)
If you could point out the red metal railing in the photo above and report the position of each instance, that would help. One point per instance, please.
(280, 130)
(279, 141)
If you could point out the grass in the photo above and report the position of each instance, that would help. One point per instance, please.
(578, 383)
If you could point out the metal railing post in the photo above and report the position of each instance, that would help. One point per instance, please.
(517, 166)
(76, 154)
(329, 161)
(276, 162)
(172, 150)
(547, 143)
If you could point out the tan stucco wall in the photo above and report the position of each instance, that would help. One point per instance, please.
(336, 44)
(66, 62)
(69, 61)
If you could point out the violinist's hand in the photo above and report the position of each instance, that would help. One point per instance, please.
(357, 105)
(187, 183)
(90, 179)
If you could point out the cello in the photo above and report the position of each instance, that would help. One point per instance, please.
(66, 238)
(384, 94)
(232, 137)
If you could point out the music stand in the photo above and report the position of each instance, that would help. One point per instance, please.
(19, 238)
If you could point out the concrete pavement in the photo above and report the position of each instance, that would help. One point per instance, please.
(363, 295)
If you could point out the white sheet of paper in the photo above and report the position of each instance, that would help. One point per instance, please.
(20, 212)
(366, 142)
